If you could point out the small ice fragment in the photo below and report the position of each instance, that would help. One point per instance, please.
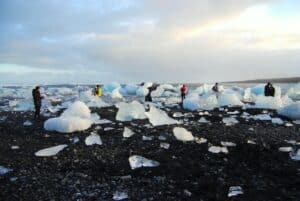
(104, 121)
(277, 121)
(108, 128)
(127, 132)
(51, 151)
(293, 142)
(229, 121)
(296, 122)
(177, 114)
(98, 127)
(15, 147)
(162, 138)
(27, 123)
(92, 139)
(120, 195)
(203, 120)
(13, 179)
(182, 134)
(187, 193)
(262, 117)
(74, 140)
(200, 140)
(136, 161)
(285, 149)
(147, 138)
(228, 144)
(288, 124)
(235, 190)
(4, 170)
(234, 112)
(217, 149)
(251, 142)
(164, 145)
(295, 155)
(189, 115)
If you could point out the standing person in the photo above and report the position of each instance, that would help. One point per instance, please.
(183, 91)
(216, 88)
(269, 90)
(37, 100)
(98, 91)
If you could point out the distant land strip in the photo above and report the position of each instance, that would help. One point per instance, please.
(273, 80)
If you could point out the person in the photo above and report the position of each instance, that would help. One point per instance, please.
(37, 100)
(98, 91)
(269, 90)
(216, 88)
(183, 91)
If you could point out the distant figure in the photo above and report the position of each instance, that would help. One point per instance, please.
(183, 91)
(269, 90)
(216, 88)
(37, 99)
(98, 91)
(148, 97)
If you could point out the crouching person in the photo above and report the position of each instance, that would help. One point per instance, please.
(269, 90)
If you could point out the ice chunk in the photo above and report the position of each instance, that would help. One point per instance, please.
(4, 170)
(136, 161)
(228, 144)
(130, 89)
(277, 121)
(51, 151)
(251, 142)
(76, 118)
(177, 114)
(147, 138)
(262, 117)
(159, 117)
(294, 92)
(285, 149)
(92, 139)
(200, 140)
(130, 111)
(15, 147)
(116, 94)
(268, 102)
(229, 99)
(182, 134)
(203, 120)
(109, 87)
(194, 102)
(27, 123)
(229, 121)
(108, 128)
(291, 111)
(120, 195)
(217, 149)
(127, 132)
(296, 122)
(234, 112)
(235, 190)
(295, 155)
(91, 100)
(164, 145)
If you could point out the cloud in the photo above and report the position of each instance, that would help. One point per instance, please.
(137, 40)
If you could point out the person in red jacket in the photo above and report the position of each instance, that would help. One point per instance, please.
(183, 91)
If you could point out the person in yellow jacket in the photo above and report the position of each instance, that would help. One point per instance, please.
(98, 91)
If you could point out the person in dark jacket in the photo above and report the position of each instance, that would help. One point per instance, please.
(269, 90)
(37, 100)
(216, 88)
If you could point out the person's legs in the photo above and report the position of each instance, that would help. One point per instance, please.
(37, 111)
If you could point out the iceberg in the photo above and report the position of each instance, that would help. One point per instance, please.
(159, 117)
(229, 99)
(291, 111)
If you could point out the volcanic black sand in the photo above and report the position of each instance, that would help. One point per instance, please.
(187, 171)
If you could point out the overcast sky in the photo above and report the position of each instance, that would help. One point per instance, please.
(89, 41)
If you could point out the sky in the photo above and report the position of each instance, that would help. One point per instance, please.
(130, 41)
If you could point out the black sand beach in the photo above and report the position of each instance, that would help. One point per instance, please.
(187, 171)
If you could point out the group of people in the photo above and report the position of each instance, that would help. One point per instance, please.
(37, 98)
